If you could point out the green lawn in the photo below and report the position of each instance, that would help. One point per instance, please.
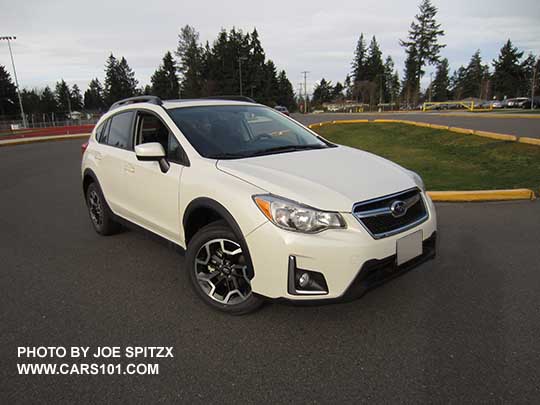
(446, 160)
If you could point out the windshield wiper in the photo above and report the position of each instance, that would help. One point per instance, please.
(286, 148)
(269, 151)
(228, 155)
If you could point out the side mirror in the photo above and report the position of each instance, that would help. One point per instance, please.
(152, 151)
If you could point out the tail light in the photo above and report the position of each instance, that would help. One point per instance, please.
(83, 147)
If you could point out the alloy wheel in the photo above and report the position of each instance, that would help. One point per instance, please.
(95, 208)
(222, 272)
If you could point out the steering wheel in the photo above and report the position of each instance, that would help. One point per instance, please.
(262, 136)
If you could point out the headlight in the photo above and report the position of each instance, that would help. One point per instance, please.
(418, 180)
(296, 217)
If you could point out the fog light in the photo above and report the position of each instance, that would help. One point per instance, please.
(304, 280)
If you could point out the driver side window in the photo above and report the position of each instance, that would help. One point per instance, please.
(151, 129)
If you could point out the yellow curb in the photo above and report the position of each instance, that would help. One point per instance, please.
(350, 122)
(530, 141)
(389, 121)
(418, 124)
(437, 126)
(459, 130)
(22, 141)
(483, 195)
(493, 135)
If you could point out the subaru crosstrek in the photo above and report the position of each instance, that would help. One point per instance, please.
(263, 206)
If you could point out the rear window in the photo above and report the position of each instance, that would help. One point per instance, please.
(120, 131)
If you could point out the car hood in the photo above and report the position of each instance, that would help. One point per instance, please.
(331, 179)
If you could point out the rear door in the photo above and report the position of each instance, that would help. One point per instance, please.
(116, 146)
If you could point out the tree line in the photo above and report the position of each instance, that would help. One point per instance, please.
(235, 60)
(374, 82)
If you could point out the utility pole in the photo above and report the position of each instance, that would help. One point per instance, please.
(240, 59)
(300, 85)
(305, 90)
(8, 39)
(533, 84)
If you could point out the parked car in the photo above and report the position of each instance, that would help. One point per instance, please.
(535, 102)
(265, 207)
(516, 102)
(282, 109)
(497, 104)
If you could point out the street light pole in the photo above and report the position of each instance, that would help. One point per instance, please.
(8, 39)
(533, 84)
(240, 59)
(305, 90)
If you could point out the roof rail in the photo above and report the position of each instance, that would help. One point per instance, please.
(138, 99)
(232, 98)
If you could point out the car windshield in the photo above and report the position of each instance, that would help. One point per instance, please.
(238, 131)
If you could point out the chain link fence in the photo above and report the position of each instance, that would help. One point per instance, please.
(12, 124)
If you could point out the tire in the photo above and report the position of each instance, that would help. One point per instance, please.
(100, 214)
(216, 255)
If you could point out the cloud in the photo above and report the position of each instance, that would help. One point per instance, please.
(72, 39)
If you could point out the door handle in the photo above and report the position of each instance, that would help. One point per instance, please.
(129, 168)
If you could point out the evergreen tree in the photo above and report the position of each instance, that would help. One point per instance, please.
(323, 92)
(8, 94)
(348, 87)
(255, 68)
(62, 94)
(146, 90)
(508, 72)
(337, 93)
(285, 92)
(190, 66)
(93, 96)
(76, 98)
(528, 67)
(48, 101)
(391, 81)
(456, 83)
(31, 101)
(359, 62)
(164, 80)
(270, 83)
(441, 84)
(422, 47)
(127, 79)
(120, 80)
(112, 91)
(411, 81)
(375, 71)
(475, 74)
(395, 89)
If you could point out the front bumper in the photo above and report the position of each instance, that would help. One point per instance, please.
(351, 260)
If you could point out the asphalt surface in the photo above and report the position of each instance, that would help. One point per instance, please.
(462, 328)
(528, 127)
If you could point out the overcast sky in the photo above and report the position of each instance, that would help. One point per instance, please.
(71, 39)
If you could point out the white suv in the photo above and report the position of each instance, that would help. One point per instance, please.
(264, 207)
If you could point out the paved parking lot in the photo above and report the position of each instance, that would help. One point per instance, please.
(529, 127)
(463, 327)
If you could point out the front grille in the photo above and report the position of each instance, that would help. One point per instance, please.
(377, 217)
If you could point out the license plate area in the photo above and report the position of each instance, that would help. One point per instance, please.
(409, 247)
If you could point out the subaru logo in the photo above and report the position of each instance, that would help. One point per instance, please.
(398, 209)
